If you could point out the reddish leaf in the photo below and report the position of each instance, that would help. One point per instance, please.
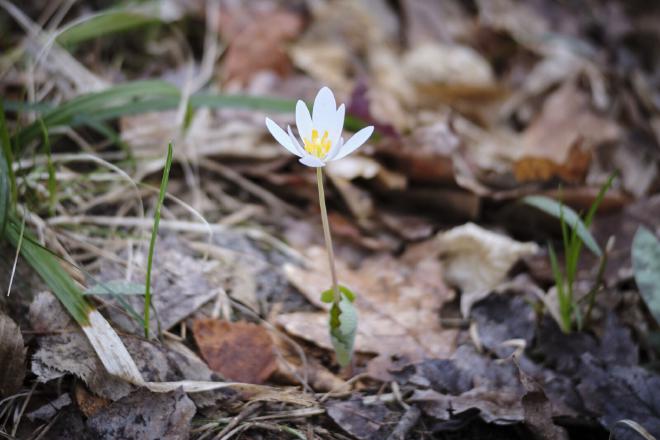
(240, 351)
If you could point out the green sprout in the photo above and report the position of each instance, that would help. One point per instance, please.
(575, 233)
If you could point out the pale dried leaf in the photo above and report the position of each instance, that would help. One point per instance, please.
(477, 260)
(398, 305)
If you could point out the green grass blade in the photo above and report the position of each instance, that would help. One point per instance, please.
(557, 209)
(116, 97)
(564, 305)
(104, 23)
(8, 192)
(50, 270)
(154, 234)
(140, 97)
(599, 199)
(52, 182)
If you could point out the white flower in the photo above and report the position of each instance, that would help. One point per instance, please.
(320, 132)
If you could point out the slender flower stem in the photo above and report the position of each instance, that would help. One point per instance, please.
(328, 238)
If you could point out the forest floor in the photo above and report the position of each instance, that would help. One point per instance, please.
(493, 301)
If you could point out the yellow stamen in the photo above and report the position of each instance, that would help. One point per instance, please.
(318, 147)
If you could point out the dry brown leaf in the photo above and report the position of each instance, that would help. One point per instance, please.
(432, 20)
(519, 19)
(397, 302)
(12, 356)
(573, 170)
(47, 315)
(240, 351)
(477, 260)
(71, 353)
(293, 368)
(272, 29)
(183, 281)
(502, 405)
(559, 141)
(449, 71)
(426, 154)
(145, 415)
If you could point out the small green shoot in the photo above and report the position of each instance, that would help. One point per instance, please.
(575, 233)
(154, 234)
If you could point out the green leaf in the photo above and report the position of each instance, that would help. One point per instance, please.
(118, 98)
(154, 234)
(104, 23)
(559, 210)
(599, 199)
(50, 270)
(347, 292)
(116, 287)
(140, 97)
(328, 296)
(646, 266)
(343, 328)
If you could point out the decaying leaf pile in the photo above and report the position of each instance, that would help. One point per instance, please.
(476, 104)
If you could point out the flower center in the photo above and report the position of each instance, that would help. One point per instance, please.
(318, 146)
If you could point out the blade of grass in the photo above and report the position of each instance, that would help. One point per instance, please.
(565, 323)
(104, 339)
(50, 271)
(599, 199)
(91, 103)
(52, 183)
(7, 178)
(154, 234)
(102, 24)
(139, 97)
(555, 208)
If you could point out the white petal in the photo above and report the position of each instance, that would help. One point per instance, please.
(324, 112)
(354, 142)
(294, 141)
(338, 126)
(281, 136)
(312, 161)
(303, 120)
(334, 150)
